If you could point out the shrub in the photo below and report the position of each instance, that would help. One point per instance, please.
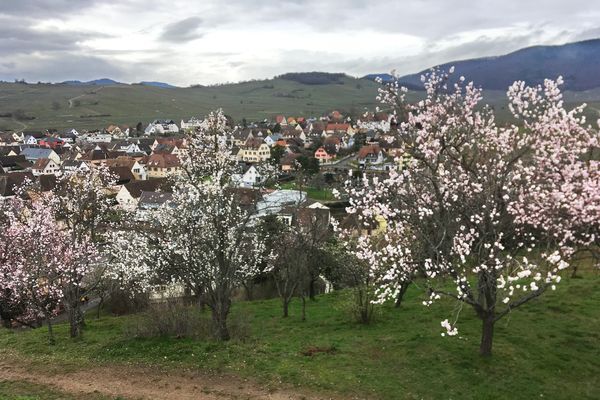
(176, 319)
(120, 302)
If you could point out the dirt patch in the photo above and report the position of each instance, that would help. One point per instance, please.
(132, 382)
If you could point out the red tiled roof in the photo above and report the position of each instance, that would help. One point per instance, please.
(163, 161)
(338, 127)
(369, 149)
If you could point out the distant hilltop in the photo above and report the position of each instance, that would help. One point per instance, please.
(578, 63)
(108, 82)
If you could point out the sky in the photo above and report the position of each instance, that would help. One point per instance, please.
(185, 42)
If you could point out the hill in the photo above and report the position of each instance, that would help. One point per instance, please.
(101, 82)
(577, 63)
(41, 106)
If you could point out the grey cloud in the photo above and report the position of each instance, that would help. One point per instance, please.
(182, 31)
(61, 67)
(58, 54)
(19, 37)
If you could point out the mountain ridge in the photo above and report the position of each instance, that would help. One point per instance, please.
(577, 62)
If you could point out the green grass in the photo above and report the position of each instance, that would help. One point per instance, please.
(132, 104)
(547, 349)
(311, 192)
(19, 390)
(99, 106)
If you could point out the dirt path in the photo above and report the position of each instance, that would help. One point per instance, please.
(72, 99)
(141, 383)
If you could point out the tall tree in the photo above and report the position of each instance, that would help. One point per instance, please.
(38, 262)
(203, 238)
(82, 202)
(499, 210)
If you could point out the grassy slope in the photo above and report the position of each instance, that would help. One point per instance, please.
(250, 100)
(131, 104)
(548, 349)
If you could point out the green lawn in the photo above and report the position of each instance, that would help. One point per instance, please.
(311, 192)
(550, 348)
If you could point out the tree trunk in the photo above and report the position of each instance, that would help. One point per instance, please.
(99, 309)
(311, 289)
(574, 273)
(51, 340)
(74, 328)
(487, 335)
(248, 286)
(220, 312)
(286, 307)
(401, 293)
(303, 308)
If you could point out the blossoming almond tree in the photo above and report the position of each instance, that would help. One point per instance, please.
(81, 201)
(499, 210)
(38, 262)
(202, 239)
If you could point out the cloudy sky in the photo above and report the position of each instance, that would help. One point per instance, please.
(185, 42)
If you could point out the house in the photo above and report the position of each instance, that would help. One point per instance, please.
(169, 146)
(272, 139)
(281, 120)
(379, 121)
(97, 137)
(249, 177)
(135, 168)
(192, 123)
(161, 127)
(68, 137)
(254, 150)
(122, 175)
(11, 138)
(10, 182)
(128, 147)
(293, 132)
(129, 194)
(51, 142)
(14, 163)
(339, 128)
(13, 150)
(45, 166)
(289, 162)
(34, 153)
(162, 165)
(247, 198)
(335, 141)
(324, 155)
(241, 136)
(75, 166)
(118, 131)
(370, 155)
(166, 149)
(30, 140)
(154, 200)
(97, 156)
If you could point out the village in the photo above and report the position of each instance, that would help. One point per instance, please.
(322, 150)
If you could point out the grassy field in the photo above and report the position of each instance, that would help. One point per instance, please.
(312, 193)
(95, 107)
(87, 107)
(547, 349)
